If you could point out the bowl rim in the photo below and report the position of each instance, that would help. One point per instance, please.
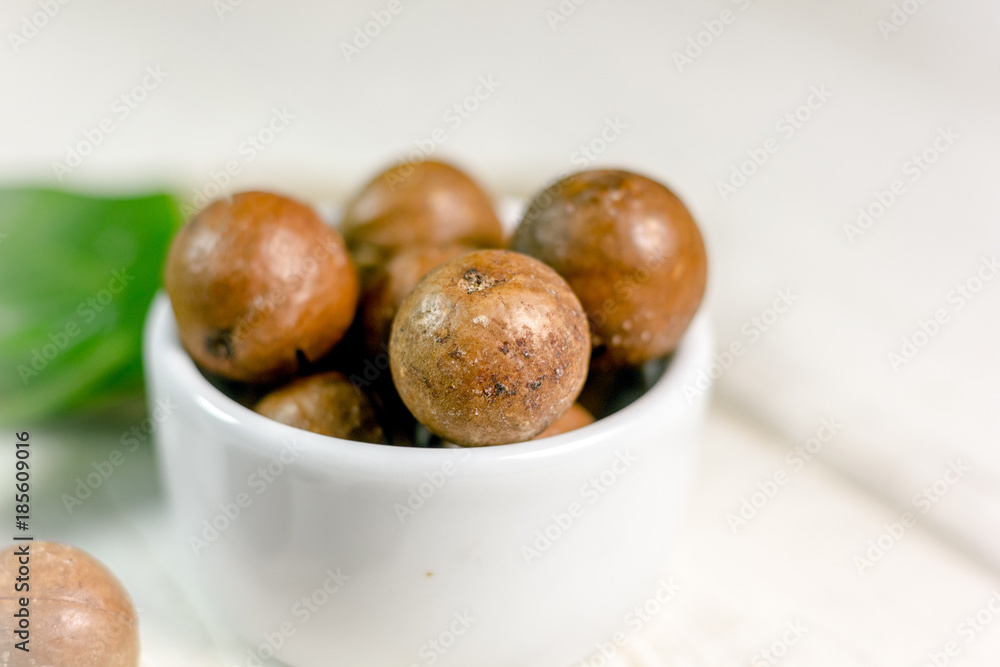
(164, 354)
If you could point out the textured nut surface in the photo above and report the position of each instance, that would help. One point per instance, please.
(80, 614)
(256, 281)
(393, 282)
(414, 203)
(326, 403)
(490, 348)
(574, 418)
(632, 253)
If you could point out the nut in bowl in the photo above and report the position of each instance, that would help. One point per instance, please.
(546, 544)
(320, 550)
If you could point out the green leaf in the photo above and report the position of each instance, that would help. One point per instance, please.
(77, 275)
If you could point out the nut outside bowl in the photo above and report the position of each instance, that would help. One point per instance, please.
(321, 551)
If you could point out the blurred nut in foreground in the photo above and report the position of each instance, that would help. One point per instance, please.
(78, 613)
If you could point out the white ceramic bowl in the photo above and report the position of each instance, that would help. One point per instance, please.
(330, 552)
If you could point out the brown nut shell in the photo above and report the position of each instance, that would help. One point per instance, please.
(490, 348)
(630, 250)
(80, 615)
(393, 282)
(576, 417)
(325, 403)
(418, 203)
(256, 281)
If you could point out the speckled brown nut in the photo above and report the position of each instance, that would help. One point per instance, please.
(258, 281)
(392, 283)
(632, 253)
(79, 613)
(412, 203)
(574, 418)
(490, 348)
(326, 403)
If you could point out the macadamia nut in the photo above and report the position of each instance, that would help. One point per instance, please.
(326, 403)
(419, 203)
(490, 348)
(632, 253)
(79, 613)
(258, 281)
